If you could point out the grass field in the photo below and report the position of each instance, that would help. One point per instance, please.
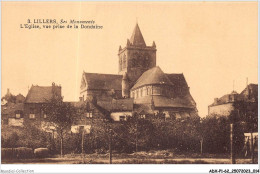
(153, 157)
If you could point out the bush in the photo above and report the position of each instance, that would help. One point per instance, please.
(23, 137)
(10, 141)
(6, 153)
(16, 153)
(41, 152)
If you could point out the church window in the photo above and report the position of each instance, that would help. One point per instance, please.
(124, 62)
(120, 63)
(137, 93)
(156, 90)
(141, 92)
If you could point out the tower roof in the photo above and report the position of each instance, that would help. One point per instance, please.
(137, 37)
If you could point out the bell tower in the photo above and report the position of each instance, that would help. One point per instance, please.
(136, 57)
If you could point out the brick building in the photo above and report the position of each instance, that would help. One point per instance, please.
(37, 98)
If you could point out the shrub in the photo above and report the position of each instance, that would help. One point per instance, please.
(6, 153)
(41, 152)
(17, 153)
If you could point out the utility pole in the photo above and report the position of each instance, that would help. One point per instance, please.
(136, 138)
(201, 145)
(252, 147)
(110, 146)
(233, 160)
(82, 146)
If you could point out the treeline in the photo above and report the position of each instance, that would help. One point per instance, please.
(211, 135)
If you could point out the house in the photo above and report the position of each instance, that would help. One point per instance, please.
(12, 114)
(12, 109)
(9, 97)
(37, 98)
(119, 109)
(94, 111)
(224, 105)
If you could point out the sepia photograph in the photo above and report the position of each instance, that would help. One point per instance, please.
(156, 83)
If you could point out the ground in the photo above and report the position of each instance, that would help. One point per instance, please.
(155, 157)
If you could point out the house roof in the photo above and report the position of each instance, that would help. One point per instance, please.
(152, 76)
(165, 102)
(137, 37)
(117, 105)
(143, 109)
(103, 81)
(42, 94)
(250, 93)
(76, 104)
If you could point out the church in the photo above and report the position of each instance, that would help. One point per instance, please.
(141, 81)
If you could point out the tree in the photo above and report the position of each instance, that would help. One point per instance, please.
(60, 115)
(10, 98)
(139, 132)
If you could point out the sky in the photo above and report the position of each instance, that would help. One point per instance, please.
(214, 44)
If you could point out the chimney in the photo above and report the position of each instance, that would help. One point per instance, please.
(94, 100)
(80, 98)
(8, 91)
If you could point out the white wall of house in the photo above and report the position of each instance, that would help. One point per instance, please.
(116, 115)
(76, 128)
(15, 122)
(221, 110)
(47, 126)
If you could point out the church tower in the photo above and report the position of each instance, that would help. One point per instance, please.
(136, 57)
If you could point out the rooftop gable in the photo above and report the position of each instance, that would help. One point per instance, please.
(42, 94)
(103, 81)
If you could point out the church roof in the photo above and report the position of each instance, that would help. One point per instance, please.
(41, 94)
(152, 76)
(137, 37)
(178, 80)
(118, 105)
(165, 102)
(103, 81)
